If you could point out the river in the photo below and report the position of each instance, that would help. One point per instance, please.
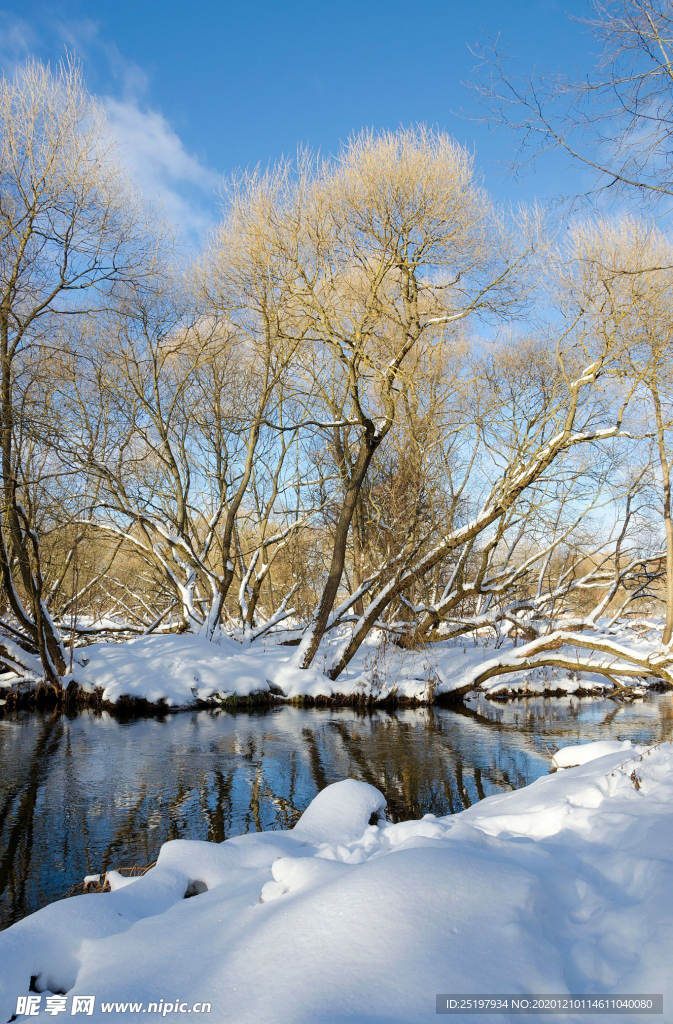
(83, 793)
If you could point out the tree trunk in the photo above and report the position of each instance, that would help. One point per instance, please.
(311, 641)
(668, 512)
(18, 538)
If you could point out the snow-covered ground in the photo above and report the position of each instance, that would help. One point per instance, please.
(565, 886)
(181, 669)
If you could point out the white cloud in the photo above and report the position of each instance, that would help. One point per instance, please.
(166, 172)
(17, 39)
(151, 149)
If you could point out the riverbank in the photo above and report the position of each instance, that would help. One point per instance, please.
(564, 886)
(182, 671)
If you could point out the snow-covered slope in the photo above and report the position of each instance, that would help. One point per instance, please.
(564, 886)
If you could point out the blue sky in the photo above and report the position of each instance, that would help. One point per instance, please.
(197, 90)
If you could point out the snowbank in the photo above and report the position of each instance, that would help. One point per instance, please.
(564, 886)
(340, 812)
(181, 669)
(570, 757)
(177, 668)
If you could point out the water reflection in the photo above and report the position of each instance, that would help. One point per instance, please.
(83, 793)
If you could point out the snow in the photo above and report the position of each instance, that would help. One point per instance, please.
(570, 757)
(183, 669)
(340, 812)
(562, 887)
(116, 880)
(177, 668)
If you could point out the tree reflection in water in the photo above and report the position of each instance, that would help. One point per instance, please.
(83, 793)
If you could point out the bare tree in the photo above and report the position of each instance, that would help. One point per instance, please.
(631, 265)
(555, 400)
(396, 242)
(615, 121)
(182, 408)
(68, 234)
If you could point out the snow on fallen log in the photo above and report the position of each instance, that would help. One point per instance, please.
(563, 886)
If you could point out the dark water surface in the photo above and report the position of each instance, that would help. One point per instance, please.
(80, 794)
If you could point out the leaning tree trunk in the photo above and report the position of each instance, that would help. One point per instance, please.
(311, 641)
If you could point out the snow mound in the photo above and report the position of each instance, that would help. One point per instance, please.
(570, 757)
(340, 813)
(292, 874)
(309, 682)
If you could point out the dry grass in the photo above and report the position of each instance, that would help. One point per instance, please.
(102, 885)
